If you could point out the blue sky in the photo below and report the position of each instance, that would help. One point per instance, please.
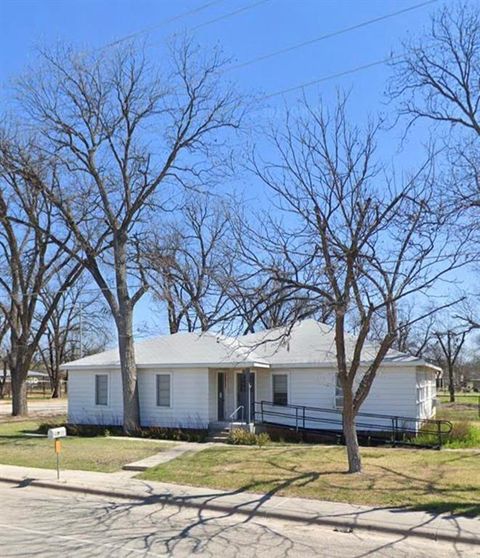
(268, 25)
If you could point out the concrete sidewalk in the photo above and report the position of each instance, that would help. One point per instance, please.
(165, 456)
(337, 515)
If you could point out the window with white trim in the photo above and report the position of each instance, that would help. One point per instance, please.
(422, 393)
(164, 390)
(101, 389)
(338, 393)
(280, 389)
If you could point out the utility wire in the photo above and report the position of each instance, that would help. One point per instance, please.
(328, 36)
(231, 14)
(331, 76)
(224, 16)
(160, 24)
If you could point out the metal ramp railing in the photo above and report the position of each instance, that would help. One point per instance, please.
(391, 429)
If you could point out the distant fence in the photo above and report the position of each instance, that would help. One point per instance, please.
(40, 388)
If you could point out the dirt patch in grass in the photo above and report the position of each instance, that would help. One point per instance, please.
(86, 454)
(419, 479)
(458, 411)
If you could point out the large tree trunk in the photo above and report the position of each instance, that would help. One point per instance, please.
(451, 383)
(124, 321)
(350, 433)
(131, 414)
(19, 392)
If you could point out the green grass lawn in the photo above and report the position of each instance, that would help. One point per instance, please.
(472, 398)
(87, 454)
(444, 481)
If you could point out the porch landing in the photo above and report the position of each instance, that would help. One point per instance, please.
(219, 431)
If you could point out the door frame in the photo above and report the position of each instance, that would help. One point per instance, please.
(224, 375)
(235, 390)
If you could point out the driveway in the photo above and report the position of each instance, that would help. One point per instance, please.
(38, 408)
(50, 523)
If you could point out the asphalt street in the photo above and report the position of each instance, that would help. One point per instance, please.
(37, 522)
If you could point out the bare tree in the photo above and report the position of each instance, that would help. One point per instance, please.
(451, 342)
(190, 264)
(438, 76)
(415, 337)
(352, 237)
(128, 139)
(78, 326)
(438, 80)
(265, 303)
(31, 262)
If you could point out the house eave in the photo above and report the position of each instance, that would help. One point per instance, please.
(116, 365)
(333, 364)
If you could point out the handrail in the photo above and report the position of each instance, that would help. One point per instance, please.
(398, 425)
(340, 412)
(236, 411)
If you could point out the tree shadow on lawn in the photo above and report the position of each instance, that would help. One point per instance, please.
(427, 487)
(448, 505)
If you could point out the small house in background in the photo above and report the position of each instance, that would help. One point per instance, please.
(37, 382)
(200, 380)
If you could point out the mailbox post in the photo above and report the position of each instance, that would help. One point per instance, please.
(55, 434)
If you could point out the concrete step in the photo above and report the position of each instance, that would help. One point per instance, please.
(217, 440)
(218, 435)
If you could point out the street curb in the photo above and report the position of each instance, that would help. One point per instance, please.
(339, 523)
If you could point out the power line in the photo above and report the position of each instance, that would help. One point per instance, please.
(225, 16)
(231, 14)
(329, 35)
(160, 24)
(331, 76)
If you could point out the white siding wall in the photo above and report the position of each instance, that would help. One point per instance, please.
(402, 392)
(81, 398)
(263, 386)
(189, 396)
(393, 393)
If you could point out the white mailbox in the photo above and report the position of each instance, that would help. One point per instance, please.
(54, 433)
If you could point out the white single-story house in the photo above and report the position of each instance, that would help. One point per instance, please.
(197, 380)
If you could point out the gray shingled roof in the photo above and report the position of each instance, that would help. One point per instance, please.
(307, 343)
